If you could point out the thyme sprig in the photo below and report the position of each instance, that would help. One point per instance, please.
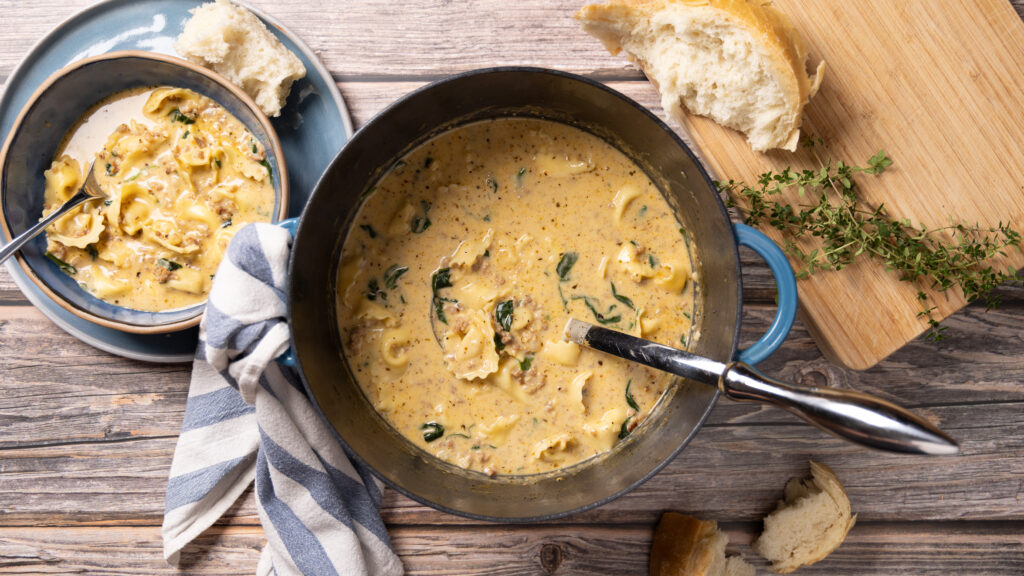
(941, 258)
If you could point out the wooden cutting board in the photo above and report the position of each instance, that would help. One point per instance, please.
(939, 84)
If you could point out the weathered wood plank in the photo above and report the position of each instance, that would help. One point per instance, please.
(940, 549)
(381, 39)
(123, 481)
(120, 550)
(377, 38)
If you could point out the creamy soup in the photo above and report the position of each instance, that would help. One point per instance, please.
(461, 269)
(181, 175)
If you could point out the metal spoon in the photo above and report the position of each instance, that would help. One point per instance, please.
(90, 190)
(855, 416)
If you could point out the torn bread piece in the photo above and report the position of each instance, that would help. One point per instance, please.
(809, 524)
(739, 62)
(236, 44)
(686, 546)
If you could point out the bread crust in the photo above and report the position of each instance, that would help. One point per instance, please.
(681, 546)
(825, 481)
(783, 46)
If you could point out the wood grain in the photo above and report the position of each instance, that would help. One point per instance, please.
(96, 428)
(386, 41)
(990, 548)
(940, 90)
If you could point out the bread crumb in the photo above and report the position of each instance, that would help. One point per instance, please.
(235, 43)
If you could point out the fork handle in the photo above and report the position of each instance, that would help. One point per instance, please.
(862, 418)
(21, 239)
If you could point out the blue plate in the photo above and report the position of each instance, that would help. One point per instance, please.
(153, 25)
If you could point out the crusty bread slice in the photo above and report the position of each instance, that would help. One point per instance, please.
(686, 546)
(809, 524)
(233, 42)
(739, 62)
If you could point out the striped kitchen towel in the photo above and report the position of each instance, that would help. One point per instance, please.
(247, 418)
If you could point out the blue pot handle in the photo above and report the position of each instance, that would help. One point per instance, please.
(785, 282)
(287, 358)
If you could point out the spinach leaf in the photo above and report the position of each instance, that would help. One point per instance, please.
(373, 290)
(602, 318)
(64, 266)
(624, 430)
(392, 274)
(266, 164)
(441, 279)
(439, 307)
(169, 264)
(622, 298)
(432, 431)
(526, 363)
(177, 116)
(629, 397)
(565, 264)
(420, 224)
(503, 313)
(499, 345)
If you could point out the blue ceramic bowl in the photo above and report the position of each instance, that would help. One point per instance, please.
(37, 134)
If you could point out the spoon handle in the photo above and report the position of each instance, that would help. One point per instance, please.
(855, 416)
(18, 241)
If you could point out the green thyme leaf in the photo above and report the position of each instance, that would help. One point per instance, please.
(843, 228)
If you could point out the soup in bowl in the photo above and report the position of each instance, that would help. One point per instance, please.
(184, 159)
(465, 261)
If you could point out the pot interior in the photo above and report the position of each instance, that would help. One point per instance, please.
(409, 122)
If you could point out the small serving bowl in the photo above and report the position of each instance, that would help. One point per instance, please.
(56, 106)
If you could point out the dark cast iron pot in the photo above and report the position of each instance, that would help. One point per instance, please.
(562, 97)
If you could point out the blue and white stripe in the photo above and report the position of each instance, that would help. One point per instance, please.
(248, 418)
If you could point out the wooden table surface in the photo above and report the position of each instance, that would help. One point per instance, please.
(86, 438)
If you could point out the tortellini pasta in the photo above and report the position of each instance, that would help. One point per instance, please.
(469, 346)
(181, 176)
